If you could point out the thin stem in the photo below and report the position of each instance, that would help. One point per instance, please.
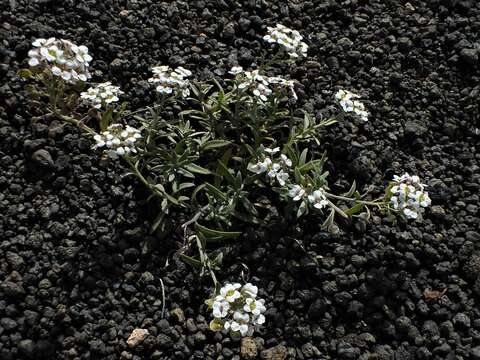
(154, 107)
(377, 202)
(78, 123)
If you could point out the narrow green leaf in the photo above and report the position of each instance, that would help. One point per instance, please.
(226, 173)
(352, 190)
(215, 144)
(216, 235)
(191, 261)
(303, 157)
(329, 220)
(306, 121)
(197, 169)
(222, 166)
(157, 222)
(106, 119)
(183, 186)
(249, 206)
(354, 209)
(212, 190)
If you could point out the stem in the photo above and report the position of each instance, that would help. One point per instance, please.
(159, 105)
(272, 61)
(377, 202)
(78, 123)
(144, 181)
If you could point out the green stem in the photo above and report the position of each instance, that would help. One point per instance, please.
(78, 123)
(139, 175)
(377, 202)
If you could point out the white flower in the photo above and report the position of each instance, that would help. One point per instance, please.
(261, 166)
(230, 292)
(259, 319)
(289, 39)
(409, 195)
(220, 308)
(410, 214)
(236, 327)
(250, 290)
(256, 307)
(61, 58)
(235, 70)
(274, 170)
(318, 199)
(297, 192)
(102, 94)
(240, 315)
(33, 62)
(168, 80)
(348, 102)
(279, 82)
(272, 151)
(285, 161)
(117, 140)
(282, 177)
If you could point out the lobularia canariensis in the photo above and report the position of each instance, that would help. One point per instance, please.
(407, 195)
(349, 103)
(102, 95)
(60, 58)
(168, 81)
(220, 155)
(237, 309)
(289, 39)
(118, 140)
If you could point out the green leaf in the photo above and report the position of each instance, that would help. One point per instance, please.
(238, 183)
(157, 222)
(216, 235)
(191, 261)
(226, 173)
(354, 209)
(195, 192)
(352, 190)
(329, 220)
(215, 144)
(248, 206)
(197, 169)
(183, 186)
(106, 119)
(302, 209)
(222, 166)
(306, 121)
(217, 193)
(303, 157)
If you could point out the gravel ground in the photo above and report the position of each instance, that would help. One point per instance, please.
(79, 271)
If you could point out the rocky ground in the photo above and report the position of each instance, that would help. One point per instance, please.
(79, 271)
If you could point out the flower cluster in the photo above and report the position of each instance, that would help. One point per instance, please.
(261, 86)
(118, 140)
(274, 169)
(168, 80)
(290, 39)
(408, 195)
(237, 309)
(315, 198)
(61, 58)
(102, 95)
(349, 103)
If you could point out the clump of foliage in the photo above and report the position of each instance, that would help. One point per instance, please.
(235, 155)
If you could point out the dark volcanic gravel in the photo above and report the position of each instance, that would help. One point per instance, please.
(79, 271)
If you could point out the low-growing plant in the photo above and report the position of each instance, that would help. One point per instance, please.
(229, 153)
(236, 309)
